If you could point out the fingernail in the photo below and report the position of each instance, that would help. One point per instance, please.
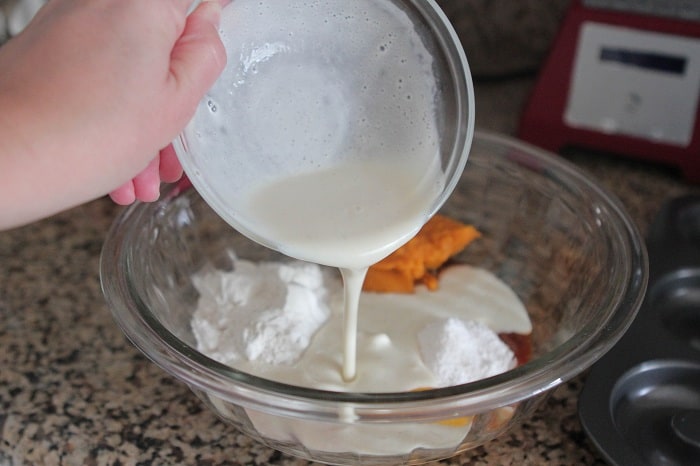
(212, 11)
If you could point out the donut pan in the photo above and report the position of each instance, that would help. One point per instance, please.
(640, 404)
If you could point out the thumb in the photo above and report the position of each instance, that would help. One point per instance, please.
(198, 56)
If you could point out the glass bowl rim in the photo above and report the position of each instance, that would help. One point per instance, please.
(537, 376)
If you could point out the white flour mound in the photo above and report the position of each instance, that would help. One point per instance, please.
(259, 312)
(459, 351)
(267, 313)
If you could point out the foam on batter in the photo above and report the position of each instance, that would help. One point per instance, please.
(311, 83)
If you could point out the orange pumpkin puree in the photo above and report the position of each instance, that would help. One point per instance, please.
(420, 258)
(418, 261)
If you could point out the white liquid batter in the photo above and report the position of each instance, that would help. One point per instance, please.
(349, 217)
(330, 116)
(389, 360)
(329, 217)
(388, 353)
(339, 93)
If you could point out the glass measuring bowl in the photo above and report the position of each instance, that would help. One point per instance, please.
(365, 93)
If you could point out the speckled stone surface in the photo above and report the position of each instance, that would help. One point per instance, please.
(73, 391)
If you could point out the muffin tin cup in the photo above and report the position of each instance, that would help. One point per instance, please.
(641, 401)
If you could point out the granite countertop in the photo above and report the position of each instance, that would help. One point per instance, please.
(73, 391)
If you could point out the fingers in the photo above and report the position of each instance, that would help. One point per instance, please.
(198, 56)
(124, 195)
(144, 187)
(147, 183)
(170, 168)
(196, 60)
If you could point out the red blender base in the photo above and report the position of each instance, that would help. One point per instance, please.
(543, 122)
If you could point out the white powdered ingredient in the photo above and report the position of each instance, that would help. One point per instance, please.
(262, 317)
(459, 351)
(266, 312)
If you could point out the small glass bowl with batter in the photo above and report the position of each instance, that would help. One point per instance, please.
(362, 111)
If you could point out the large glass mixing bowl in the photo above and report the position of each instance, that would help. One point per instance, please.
(565, 246)
(314, 87)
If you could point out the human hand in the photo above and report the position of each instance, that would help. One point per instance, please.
(165, 167)
(90, 91)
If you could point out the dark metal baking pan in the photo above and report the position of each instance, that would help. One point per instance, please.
(640, 404)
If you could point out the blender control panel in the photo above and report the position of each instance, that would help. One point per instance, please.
(634, 82)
